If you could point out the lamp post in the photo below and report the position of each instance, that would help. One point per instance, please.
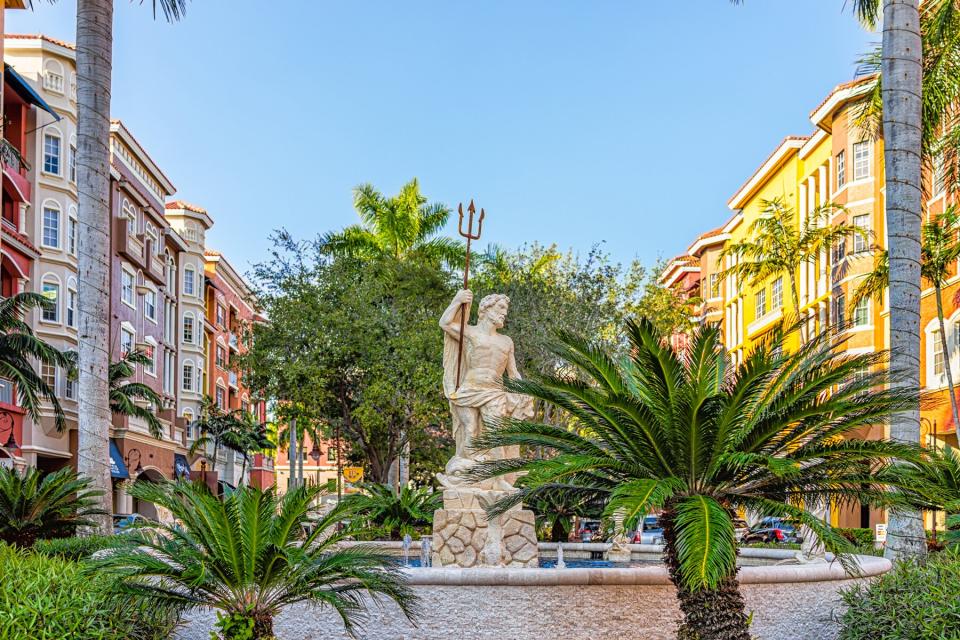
(315, 456)
(931, 426)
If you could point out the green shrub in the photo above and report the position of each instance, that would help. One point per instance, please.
(51, 598)
(915, 600)
(859, 537)
(78, 548)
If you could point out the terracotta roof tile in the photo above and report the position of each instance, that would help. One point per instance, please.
(40, 36)
(212, 253)
(844, 85)
(183, 204)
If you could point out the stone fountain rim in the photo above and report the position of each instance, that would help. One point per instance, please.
(826, 570)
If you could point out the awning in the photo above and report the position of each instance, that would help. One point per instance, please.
(226, 488)
(181, 468)
(25, 91)
(117, 468)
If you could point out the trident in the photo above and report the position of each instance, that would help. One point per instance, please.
(468, 234)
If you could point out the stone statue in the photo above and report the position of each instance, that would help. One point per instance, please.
(480, 398)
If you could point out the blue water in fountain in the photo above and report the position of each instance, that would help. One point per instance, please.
(551, 563)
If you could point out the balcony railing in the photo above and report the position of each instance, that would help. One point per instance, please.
(6, 391)
(11, 156)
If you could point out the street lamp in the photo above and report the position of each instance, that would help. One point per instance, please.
(315, 456)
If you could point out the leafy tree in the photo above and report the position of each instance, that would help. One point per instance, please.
(378, 509)
(245, 557)
(124, 395)
(402, 227)
(35, 506)
(778, 244)
(690, 435)
(217, 427)
(557, 509)
(19, 347)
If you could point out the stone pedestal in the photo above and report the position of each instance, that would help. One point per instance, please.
(463, 537)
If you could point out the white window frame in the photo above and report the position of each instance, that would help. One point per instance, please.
(126, 331)
(861, 160)
(45, 372)
(147, 297)
(73, 231)
(861, 311)
(776, 294)
(189, 277)
(72, 164)
(130, 291)
(71, 307)
(55, 285)
(52, 208)
(760, 303)
(193, 328)
(841, 177)
(860, 244)
(58, 159)
(151, 369)
(184, 377)
(939, 359)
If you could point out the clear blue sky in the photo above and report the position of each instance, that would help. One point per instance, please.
(574, 122)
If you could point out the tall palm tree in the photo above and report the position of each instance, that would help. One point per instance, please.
(777, 244)
(19, 346)
(400, 226)
(216, 426)
(245, 557)
(94, 75)
(690, 435)
(125, 396)
(246, 438)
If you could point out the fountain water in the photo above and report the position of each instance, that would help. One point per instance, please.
(426, 551)
(406, 548)
(560, 563)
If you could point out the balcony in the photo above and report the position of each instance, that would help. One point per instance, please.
(234, 343)
(12, 158)
(233, 380)
(6, 391)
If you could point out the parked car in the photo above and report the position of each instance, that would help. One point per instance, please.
(589, 531)
(123, 522)
(772, 529)
(650, 533)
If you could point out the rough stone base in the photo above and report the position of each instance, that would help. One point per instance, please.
(463, 537)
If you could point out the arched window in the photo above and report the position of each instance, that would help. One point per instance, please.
(187, 380)
(171, 272)
(52, 152)
(129, 212)
(189, 281)
(50, 288)
(73, 228)
(188, 333)
(71, 301)
(50, 233)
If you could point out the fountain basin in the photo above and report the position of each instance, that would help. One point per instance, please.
(787, 600)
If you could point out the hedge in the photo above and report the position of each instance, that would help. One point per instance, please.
(77, 548)
(915, 600)
(44, 597)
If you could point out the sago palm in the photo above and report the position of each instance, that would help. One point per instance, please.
(690, 435)
(398, 227)
(20, 347)
(246, 557)
(778, 244)
(125, 396)
(35, 506)
(382, 511)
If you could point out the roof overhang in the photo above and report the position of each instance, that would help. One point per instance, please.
(676, 270)
(780, 155)
(822, 116)
(703, 242)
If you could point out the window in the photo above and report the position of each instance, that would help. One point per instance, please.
(714, 285)
(221, 316)
(72, 228)
(939, 362)
(51, 154)
(187, 381)
(171, 275)
(776, 293)
(244, 406)
(841, 170)
(70, 388)
(840, 311)
(221, 357)
(71, 308)
(51, 227)
(862, 225)
(861, 313)
(939, 175)
(51, 312)
(73, 164)
(151, 366)
(126, 342)
(152, 235)
(48, 373)
(130, 213)
(861, 160)
(331, 454)
(221, 397)
(150, 305)
(761, 303)
(188, 329)
(126, 288)
(188, 281)
(839, 250)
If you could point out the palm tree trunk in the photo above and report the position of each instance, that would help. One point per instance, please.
(216, 448)
(902, 89)
(243, 469)
(946, 355)
(94, 70)
(263, 626)
(709, 614)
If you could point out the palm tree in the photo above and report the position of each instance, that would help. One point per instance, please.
(217, 427)
(394, 514)
(94, 75)
(246, 438)
(776, 245)
(19, 346)
(686, 433)
(34, 506)
(124, 396)
(399, 227)
(245, 557)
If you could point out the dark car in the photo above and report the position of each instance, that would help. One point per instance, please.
(774, 530)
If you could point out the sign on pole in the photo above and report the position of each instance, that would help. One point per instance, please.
(353, 475)
(881, 534)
